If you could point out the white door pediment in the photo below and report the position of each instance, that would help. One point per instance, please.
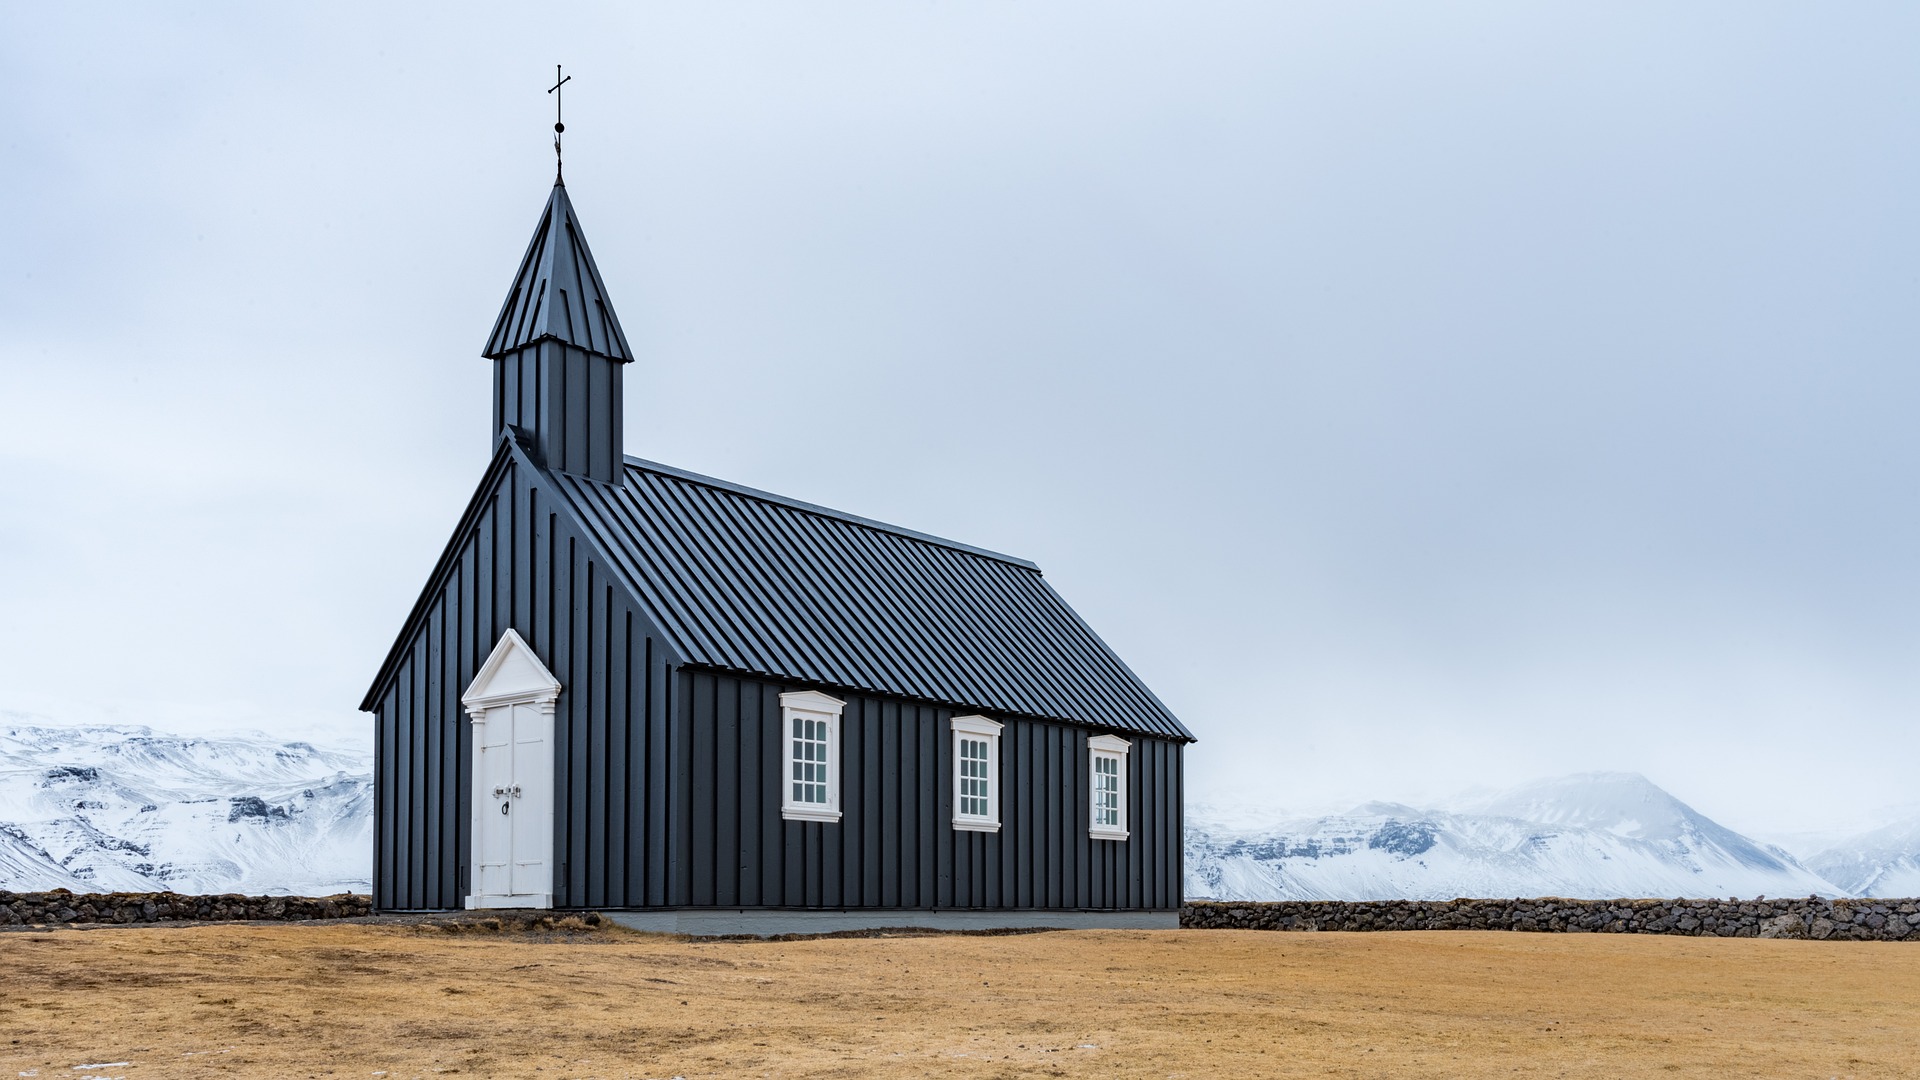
(512, 673)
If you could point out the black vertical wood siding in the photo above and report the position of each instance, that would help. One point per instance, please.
(895, 845)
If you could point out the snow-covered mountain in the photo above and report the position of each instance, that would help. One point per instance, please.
(1589, 836)
(1884, 862)
(107, 808)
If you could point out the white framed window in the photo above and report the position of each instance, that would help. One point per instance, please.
(810, 730)
(1108, 755)
(976, 774)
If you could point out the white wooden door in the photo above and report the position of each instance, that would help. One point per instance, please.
(513, 808)
(530, 803)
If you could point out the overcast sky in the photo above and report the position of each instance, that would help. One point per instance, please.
(1418, 396)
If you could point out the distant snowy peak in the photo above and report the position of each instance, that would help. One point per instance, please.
(1627, 805)
(1884, 862)
(1593, 835)
(1624, 804)
(120, 807)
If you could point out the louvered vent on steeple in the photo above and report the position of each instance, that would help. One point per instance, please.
(558, 295)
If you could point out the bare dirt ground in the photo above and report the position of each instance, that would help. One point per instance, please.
(396, 1001)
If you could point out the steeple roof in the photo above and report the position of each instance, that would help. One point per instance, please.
(558, 294)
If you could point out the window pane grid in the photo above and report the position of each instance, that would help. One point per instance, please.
(809, 761)
(1106, 791)
(974, 794)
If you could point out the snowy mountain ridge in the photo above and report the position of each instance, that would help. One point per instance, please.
(1588, 836)
(1883, 862)
(125, 808)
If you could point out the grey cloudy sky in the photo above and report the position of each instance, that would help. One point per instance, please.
(1418, 396)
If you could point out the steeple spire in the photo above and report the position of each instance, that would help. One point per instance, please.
(558, 293)
(558, 352)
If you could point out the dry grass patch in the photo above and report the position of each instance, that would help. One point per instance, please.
(574, 1001)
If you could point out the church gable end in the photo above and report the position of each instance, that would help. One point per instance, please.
(519, 564)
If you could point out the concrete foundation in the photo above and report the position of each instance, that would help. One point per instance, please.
(766, 922)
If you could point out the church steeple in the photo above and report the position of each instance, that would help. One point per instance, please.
(557, 351)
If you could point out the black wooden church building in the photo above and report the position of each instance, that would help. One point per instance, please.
(702, 707)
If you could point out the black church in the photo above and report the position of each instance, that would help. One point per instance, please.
(705, 708)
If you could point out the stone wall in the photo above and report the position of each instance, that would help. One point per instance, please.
(1846, 920)
(61, 907)
(1827, 920)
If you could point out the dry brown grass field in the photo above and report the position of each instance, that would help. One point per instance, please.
(398, 1001)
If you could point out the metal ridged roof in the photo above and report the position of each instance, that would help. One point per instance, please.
(746, 581)
(558, 294)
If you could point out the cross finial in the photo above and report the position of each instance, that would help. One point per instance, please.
(558, 127)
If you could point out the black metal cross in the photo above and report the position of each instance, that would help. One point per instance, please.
(558, 127)
(559, 82)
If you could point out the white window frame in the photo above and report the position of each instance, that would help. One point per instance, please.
(1111, 748)
(980, 729)
(810, 705)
